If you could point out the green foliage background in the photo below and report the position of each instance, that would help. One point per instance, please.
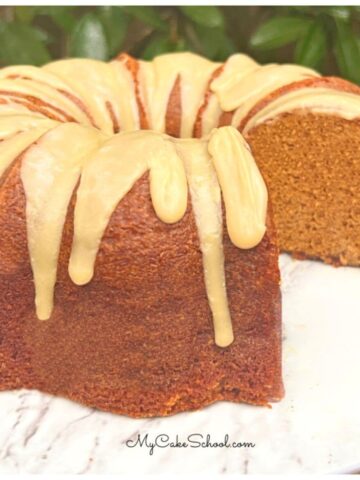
(324, 38)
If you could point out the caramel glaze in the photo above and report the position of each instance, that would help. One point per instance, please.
(126, 95)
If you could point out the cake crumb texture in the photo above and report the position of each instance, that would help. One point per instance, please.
(311, 164)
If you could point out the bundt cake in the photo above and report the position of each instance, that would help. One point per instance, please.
(138, 256)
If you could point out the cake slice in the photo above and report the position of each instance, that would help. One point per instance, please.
(306, 141)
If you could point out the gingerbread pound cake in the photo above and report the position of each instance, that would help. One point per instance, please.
(121, 288)
(139, 268)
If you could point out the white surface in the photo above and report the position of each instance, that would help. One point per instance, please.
(316, 428)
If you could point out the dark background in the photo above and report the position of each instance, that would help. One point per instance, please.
(324, 38)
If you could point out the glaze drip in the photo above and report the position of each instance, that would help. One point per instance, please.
(206, 202)
(242, 185)
(50, 170)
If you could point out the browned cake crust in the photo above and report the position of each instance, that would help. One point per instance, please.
(138, 340)
(311, 165)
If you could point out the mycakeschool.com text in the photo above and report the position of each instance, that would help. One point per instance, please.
(193, 440)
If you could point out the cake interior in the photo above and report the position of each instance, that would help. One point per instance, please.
(311, 165)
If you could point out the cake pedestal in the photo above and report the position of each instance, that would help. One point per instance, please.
(315, 429)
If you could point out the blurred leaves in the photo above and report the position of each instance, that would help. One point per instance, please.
(323, 35)
(162, 44)
(88, 38)
(208, 16)
(62, 16)
(25, 14)
(347, 52)
(149, 16)
(326, 38)
(341, 13)
(115, 22)
(277, 32)
(213, 42)
(311, 48)
(22, 43)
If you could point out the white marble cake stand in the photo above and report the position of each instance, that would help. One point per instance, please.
(315, 429)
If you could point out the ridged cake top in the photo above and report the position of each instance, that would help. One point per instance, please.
(126, 93)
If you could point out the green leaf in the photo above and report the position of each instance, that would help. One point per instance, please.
(89, 39)
(149, 16)
(280, 31)
(157, 46)
(214, 43)
(311, 48)
(22, 44)
(61, 15)
(116, 23)
(209, 16)
(226, 48)
(347, 52)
